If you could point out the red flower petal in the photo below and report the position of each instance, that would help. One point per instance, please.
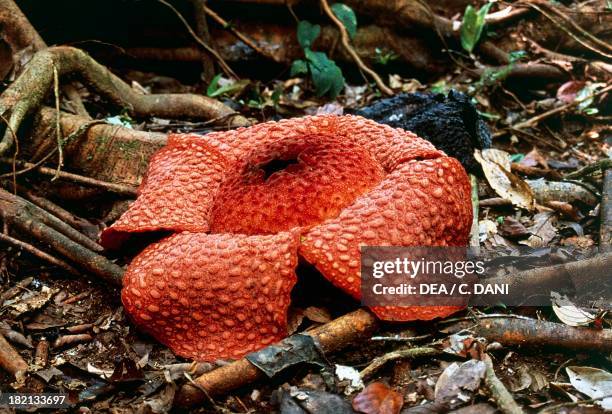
(421, 203)
(324, 175)
(177, 193)
(389, 146)
(213, 296)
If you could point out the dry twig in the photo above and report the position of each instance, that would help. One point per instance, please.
(527, 332)
(10, 359)
(331, 337)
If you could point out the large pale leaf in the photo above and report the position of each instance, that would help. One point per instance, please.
(568, 313)
(496, 166)
(594, 382)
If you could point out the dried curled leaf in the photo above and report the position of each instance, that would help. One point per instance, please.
(496, 166)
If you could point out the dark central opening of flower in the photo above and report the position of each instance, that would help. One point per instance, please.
(299, 181)
(276, 166)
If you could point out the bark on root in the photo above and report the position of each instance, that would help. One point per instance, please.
(28, 92)
(105, 152)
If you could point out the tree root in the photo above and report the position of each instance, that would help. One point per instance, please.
(53, 222)
(280, 43)
(331, 337)
(20, 35)
(74, 178)
(78, 223)
(48, 229)
(27, 93)
(108, 153)
(38, 253)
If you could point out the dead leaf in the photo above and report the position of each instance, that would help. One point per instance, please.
(568, 313)
(529, 378)
(533, 159)
(496, 166)
(582, 242)
(32, 301)
(457, 383)
(542, 231)
(594, 382)
(378, 398)
(295, 317)
(512, 228)
(486, 229)
(317, 314)
(568, 91)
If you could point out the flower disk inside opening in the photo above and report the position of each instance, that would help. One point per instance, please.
(297, 182)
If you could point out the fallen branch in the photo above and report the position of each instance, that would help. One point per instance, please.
(576, 274)
(526, 332)
(27, 93)
(346, 42)
(15, 289)
(10, 359)
(500, 394)
(281, 43)
(600, 165)
(545, 191)
(331, 337)
(404, 353)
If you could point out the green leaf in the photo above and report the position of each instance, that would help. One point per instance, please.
(347, 16)
(228, 89)
(213, 85)
(299, 67)
(326, 76)
(473, 25)
(307, 33)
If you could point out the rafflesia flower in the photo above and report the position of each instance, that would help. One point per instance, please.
(242, 205)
